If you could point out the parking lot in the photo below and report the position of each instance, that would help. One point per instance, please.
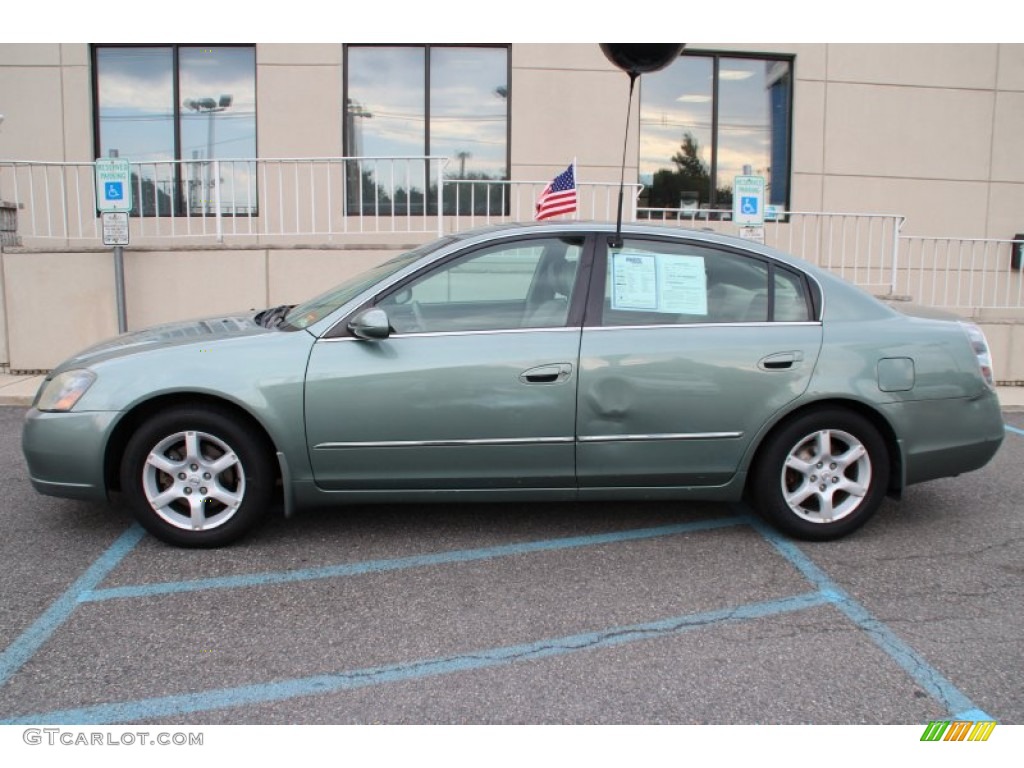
(530, 613)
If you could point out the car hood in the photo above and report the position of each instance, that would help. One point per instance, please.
(203, 331)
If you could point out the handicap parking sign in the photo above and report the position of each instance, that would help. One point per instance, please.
(748, 201)
(113, 184)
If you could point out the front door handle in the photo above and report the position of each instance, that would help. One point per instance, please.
(780, 361)
(555, 373)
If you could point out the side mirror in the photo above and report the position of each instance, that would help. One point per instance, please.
(371, 324)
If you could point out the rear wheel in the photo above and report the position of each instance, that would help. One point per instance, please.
(822, 475)
(195, 476)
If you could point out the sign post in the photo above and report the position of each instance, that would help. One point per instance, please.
(114, 200)
(748, 206)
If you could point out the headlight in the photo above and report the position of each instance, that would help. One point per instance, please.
(64, 390)
(981, 351)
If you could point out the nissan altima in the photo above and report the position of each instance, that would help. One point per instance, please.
(534, 363)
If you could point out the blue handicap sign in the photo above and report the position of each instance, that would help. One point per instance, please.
(748, 206)
(114, 190)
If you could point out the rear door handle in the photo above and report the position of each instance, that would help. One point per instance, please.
(547, 374)
(780, 361)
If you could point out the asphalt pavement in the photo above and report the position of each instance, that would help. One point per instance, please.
(518, 613)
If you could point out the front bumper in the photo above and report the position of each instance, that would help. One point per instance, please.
(65, 452)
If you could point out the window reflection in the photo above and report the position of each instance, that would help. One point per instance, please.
(136, 102)
(135, 93)
(675, 135)
(386, 102)
(139, 119)
(218, 121)
(441, 101)
(469, 111)
(707, 119)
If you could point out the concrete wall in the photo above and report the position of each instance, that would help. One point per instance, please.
(60, 303)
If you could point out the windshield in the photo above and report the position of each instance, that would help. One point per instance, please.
(316, 309)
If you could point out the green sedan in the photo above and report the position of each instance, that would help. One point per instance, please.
(528, 363)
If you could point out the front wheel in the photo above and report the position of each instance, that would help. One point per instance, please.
(196, 477)
(821, 476)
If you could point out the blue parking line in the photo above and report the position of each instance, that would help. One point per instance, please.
(1013, 429)
(84, 590)
(925, 675)
(31, 640)
(263, 693)
(415, 561)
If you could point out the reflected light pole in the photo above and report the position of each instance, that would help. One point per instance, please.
(209, 106)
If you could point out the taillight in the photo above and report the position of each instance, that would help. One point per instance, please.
(981, 351)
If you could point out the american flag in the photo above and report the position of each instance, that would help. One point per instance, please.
(559, 196)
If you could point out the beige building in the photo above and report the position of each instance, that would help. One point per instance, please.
(897, 165)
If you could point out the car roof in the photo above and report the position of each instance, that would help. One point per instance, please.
(482, 234)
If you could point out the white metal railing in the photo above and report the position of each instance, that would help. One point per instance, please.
(516, 200)
(961, 273)
(323, 199)
(262, 199)
(215, 199)
(861, 247)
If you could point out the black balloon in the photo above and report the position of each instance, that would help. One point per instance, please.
(638, 58)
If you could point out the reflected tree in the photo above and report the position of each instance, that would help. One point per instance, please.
(689, 183)
(152, 201)
(474, 193)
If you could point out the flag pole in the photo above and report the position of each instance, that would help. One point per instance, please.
(576, 184)
(617, 242)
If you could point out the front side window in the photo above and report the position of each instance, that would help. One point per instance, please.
(708, 118)
(650, 282)
(172, 111)
(527, 284)
(416, 100)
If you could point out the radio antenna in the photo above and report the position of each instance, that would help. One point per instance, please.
(617, 241)
(635, 59)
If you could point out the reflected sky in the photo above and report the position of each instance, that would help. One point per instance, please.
(136, 102)
(137, 108)
(212, 73)
(468, 105)
(138, 116)
(753, 116)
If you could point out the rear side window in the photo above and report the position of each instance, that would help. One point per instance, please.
(649, 282)
(792, 304)
(656, 283)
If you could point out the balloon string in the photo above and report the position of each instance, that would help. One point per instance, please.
(622, 175)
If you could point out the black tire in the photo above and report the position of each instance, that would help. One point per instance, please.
(195, 476)
(822, 475)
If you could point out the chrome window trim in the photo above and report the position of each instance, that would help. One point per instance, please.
(326, 326)
(757, 324)
(558, 329)
(659, 436)
(498, 441)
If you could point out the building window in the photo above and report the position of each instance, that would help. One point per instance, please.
(708, 118)
(427, 100)
(172, 110)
